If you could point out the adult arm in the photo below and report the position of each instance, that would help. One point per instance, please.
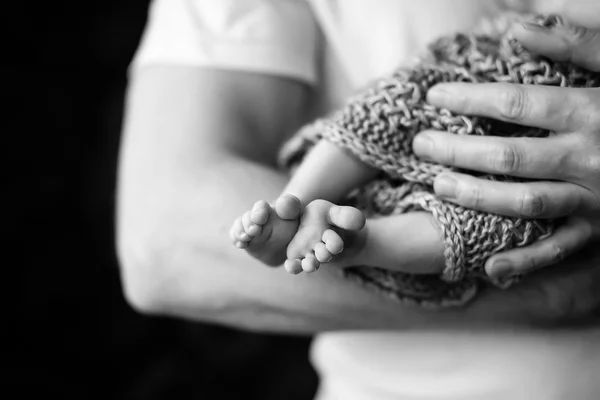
(198, 149)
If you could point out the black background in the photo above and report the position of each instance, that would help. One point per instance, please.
(67, 330)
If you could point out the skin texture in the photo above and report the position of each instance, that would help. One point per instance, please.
(566, 165)
(309, 230)
(190, 165)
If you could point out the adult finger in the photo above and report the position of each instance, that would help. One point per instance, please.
(558, 157)
(569, 238)
(561, 41)
(554, 108)
(525, 200)
(582, 12)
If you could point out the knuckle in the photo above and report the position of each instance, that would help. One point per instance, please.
(506, 160)
(531, 205)
(571, 114)
(587, 108)
(568, 165)
(449, 155)
(580, 35)
(583, 37)
(589, 231)
(556, 253)
(514, 103)
(528, 264)
(473, 196)
(592, 166)
(573, 205)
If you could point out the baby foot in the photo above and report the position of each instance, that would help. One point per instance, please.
(265, 231)
(325, 229)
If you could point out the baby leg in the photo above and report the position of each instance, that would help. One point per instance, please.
(327, 173)
(394, 242)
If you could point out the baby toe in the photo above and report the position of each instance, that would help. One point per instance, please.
(254, 230)
(346, 217)
(288, 207)
(241, 244)
(237, 231)
(310, 263)
(333, 242)
(260, 212)
(246, 224)
(321, 253)
(250, 227)
(246, 221)
(293, 266)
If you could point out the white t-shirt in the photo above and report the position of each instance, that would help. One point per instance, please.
(338, 46)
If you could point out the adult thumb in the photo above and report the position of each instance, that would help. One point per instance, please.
(560, 40)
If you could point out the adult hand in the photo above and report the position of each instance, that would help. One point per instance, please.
(566, 165)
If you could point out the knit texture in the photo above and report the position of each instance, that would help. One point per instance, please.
(378, 125)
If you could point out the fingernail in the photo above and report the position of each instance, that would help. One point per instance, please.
(447, 95)
(500, 269)
(438, 94)
(533, 27)
(252, 230)
(445, 186)
(422, 144)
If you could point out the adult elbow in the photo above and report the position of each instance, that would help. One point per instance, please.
(155, 280)
(143, 281)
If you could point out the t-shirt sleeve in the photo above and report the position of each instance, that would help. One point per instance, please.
(266, 36)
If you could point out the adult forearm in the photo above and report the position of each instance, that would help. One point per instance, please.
(189, 269)
(185, 265)
(186, 172)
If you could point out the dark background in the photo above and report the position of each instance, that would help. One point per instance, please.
(66, 328)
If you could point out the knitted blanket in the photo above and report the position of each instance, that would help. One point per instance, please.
(378, 126)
